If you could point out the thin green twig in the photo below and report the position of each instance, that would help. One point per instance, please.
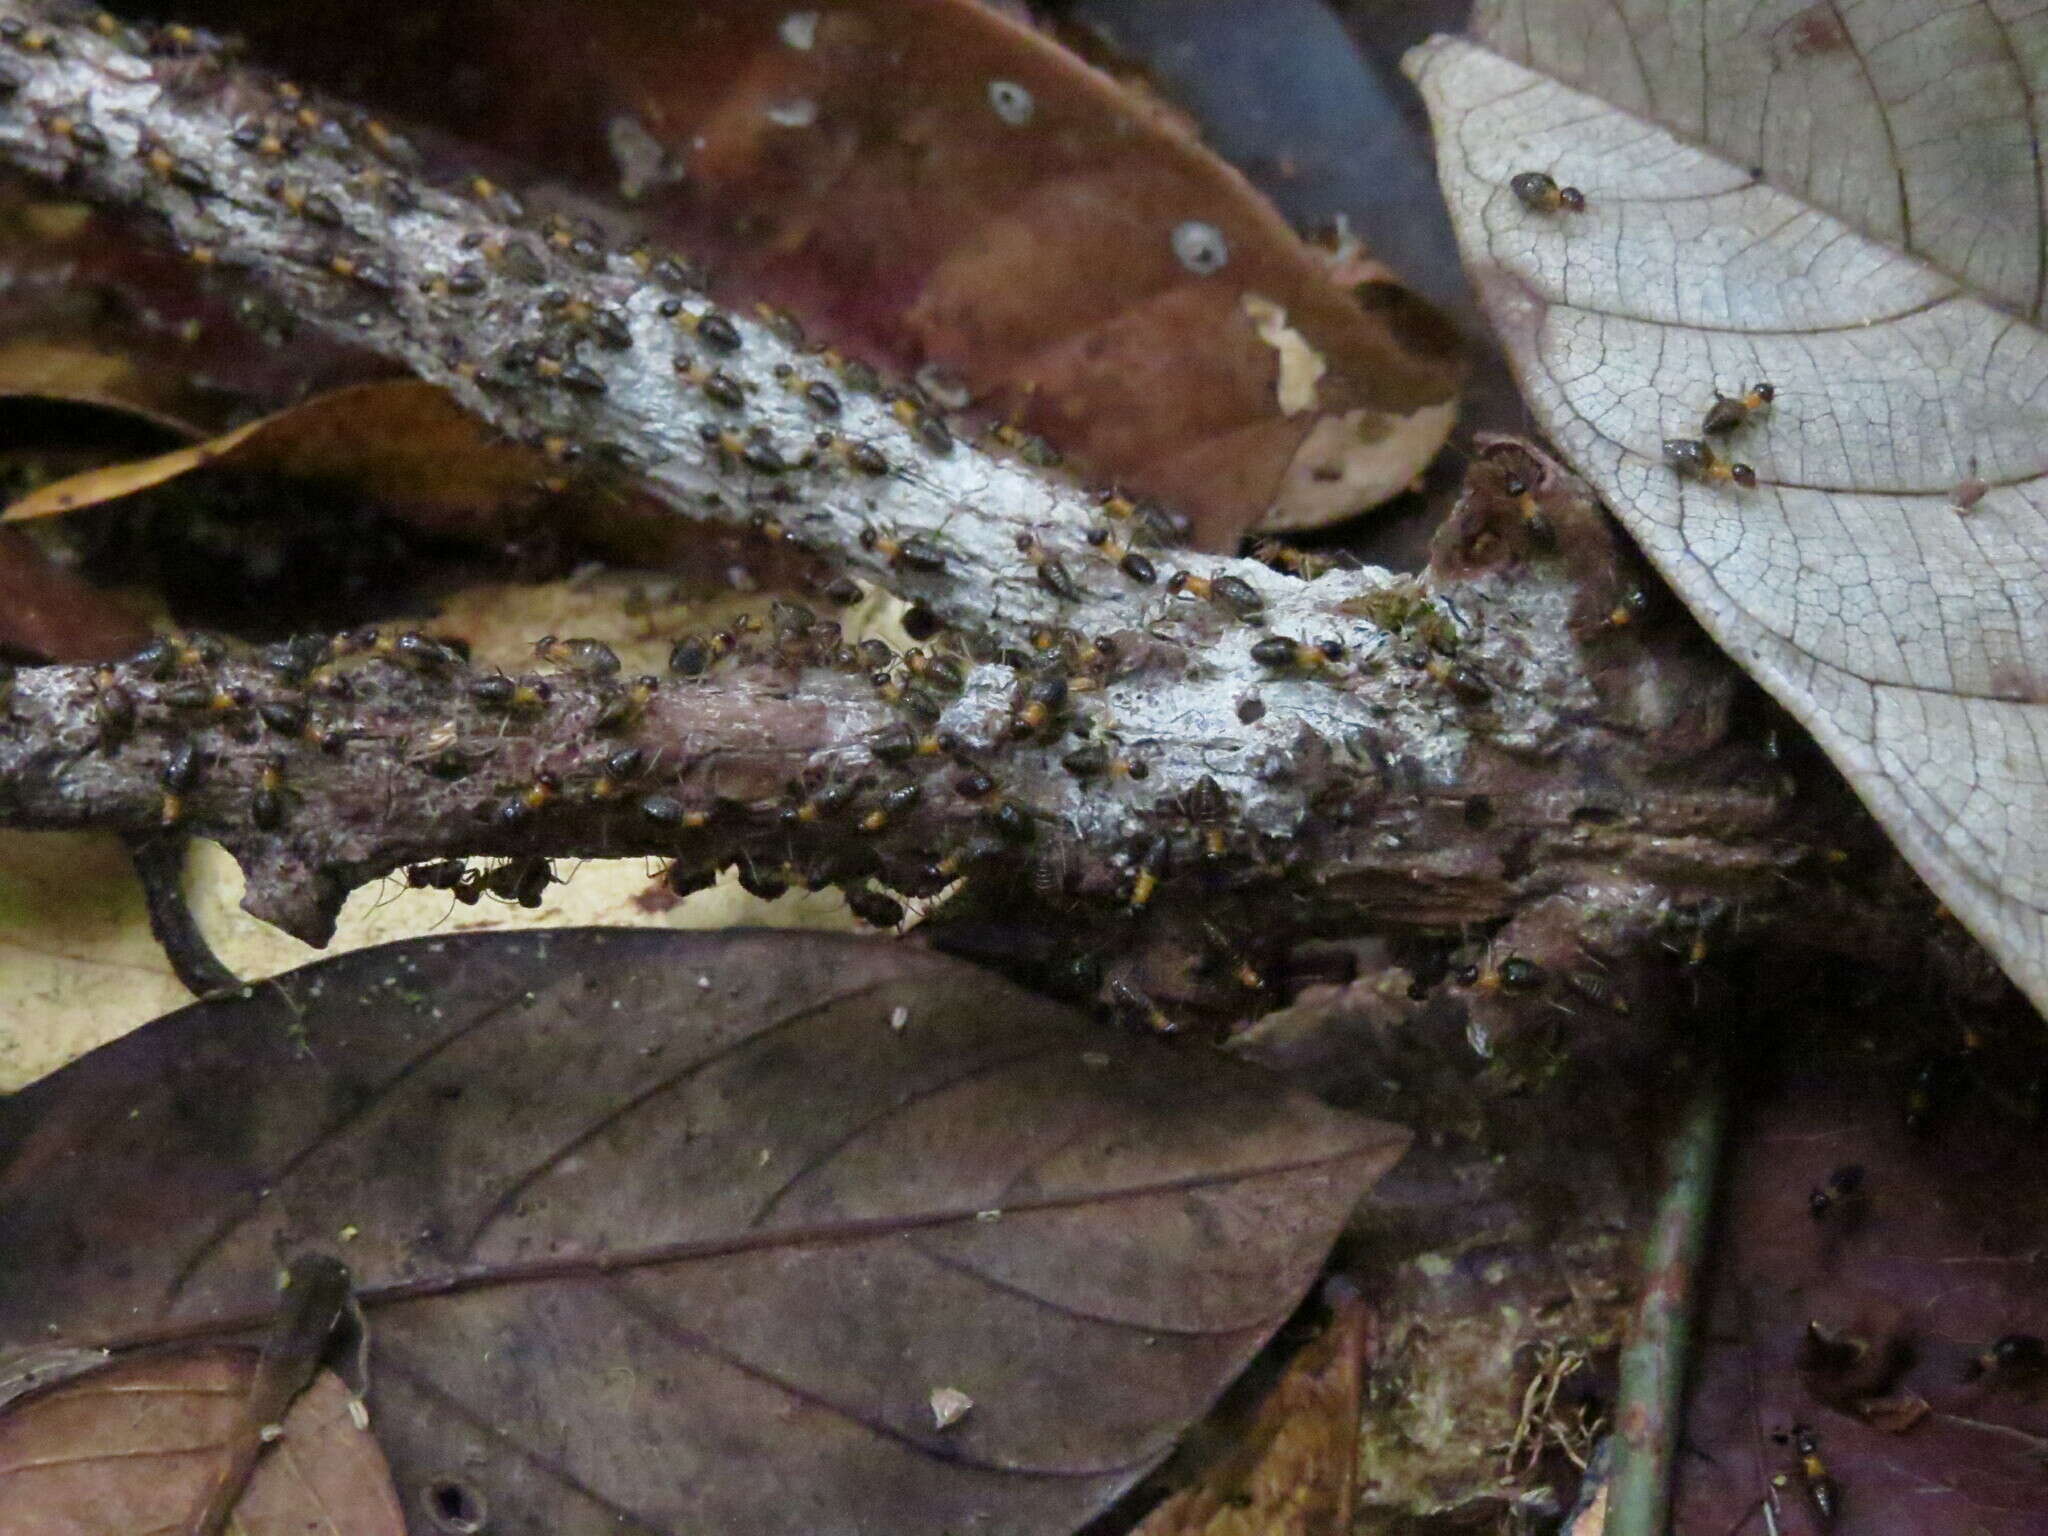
(1653, 1365)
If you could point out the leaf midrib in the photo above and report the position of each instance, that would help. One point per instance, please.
(599, 1265)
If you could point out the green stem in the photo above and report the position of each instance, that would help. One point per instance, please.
(1653, 1365)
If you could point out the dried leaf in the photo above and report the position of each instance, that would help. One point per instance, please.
(80, 375)
(1911, 640)
(678, 1229)
(75, 946)
(1294, 1465)
(931, 184)
(402, 442)
(49, 614)
(131, 1447)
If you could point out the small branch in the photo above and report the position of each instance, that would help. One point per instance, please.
(609, 359)
(160, 865)
(1649, 1411)
(388, 753)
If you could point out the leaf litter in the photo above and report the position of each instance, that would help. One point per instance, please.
(1956, 494)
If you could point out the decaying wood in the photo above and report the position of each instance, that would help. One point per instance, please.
(1517, 726)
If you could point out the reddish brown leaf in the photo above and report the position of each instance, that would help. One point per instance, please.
(50, 615)
(401, 442)
(927, 182)
(129, 1449)
(685, 1230)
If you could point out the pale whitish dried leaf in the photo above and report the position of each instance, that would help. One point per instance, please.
(1912, 641)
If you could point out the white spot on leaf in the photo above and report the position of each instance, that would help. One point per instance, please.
(1200, 247)
(1012, 103)
(799, 30)
(800, 113)
(949, 1406)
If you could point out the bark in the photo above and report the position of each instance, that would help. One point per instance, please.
(1521, 724)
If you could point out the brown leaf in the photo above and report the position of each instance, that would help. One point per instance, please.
(49, 614)
(928, 182)
(1293, 1470)
(130, 1448)
(401, 442)
(679, 1228)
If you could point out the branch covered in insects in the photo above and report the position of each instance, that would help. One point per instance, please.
(609, 357)
(1092, 717)
(323, 764)
(1533, 746)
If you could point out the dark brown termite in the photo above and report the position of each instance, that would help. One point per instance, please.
(1695, 459)
(1539, 192)
(1730, 411)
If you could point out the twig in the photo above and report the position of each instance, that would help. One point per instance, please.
(159, 860)
(1649, 1410)
(611, 360)
(320, 779)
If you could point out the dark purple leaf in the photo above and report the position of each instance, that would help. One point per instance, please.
(683, 1232)
(1925, 1250)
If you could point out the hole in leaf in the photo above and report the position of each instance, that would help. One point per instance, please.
(456, 1507)
(1012, 102)
(1200, 247)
